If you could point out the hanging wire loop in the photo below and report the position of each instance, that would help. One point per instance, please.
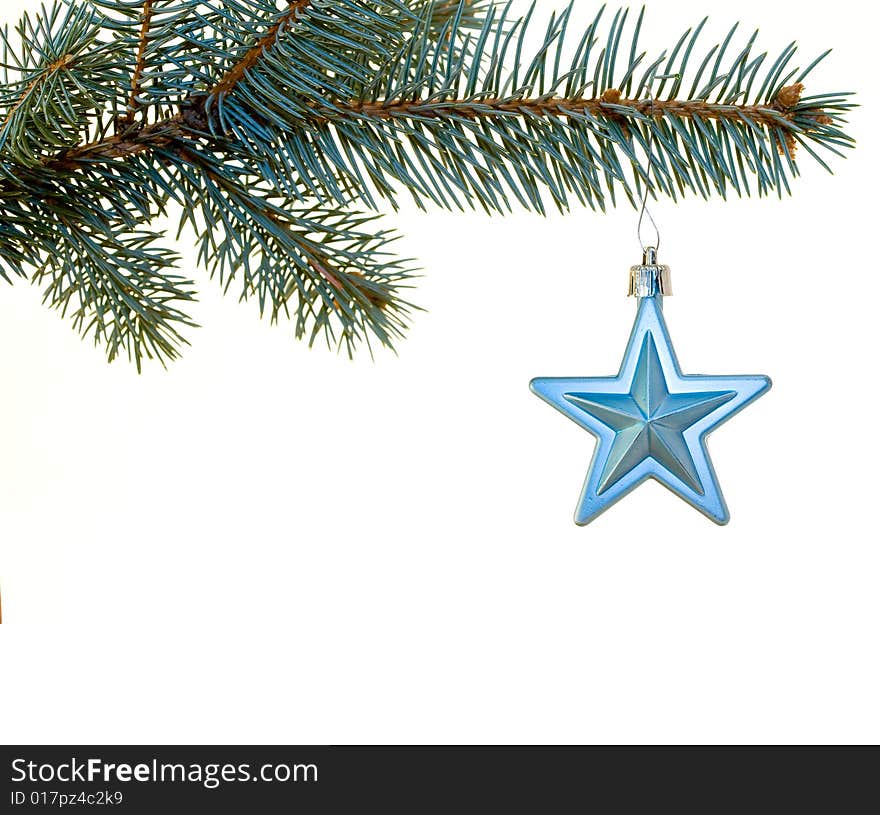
(645, 211)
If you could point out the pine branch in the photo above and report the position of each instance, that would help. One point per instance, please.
(608, 106)
(264, 122)
(46, 107)
(118, 290)
(484, 131)
(319, 267)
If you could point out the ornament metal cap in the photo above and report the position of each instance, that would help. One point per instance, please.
(650, 278)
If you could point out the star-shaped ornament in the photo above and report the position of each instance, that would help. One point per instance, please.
(650, 420)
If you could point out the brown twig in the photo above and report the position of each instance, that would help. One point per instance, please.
(140, 64)
(161, 133)
(121, 145)
(235, 74)
(602, 107)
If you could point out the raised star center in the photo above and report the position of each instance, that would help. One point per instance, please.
(649, 422)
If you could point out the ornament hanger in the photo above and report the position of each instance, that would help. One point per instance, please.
(650, 278)
(645, 211)
(650, 144)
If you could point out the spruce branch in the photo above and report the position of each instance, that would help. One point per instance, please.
(53, 89)
(267, 123)
(118, 289)
(326, 270)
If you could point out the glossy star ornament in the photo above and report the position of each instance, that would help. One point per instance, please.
(650, 420)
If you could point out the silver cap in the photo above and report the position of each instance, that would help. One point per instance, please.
(649, 278)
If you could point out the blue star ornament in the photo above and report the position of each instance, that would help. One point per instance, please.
(651, 421)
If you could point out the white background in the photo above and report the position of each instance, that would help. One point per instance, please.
(271, 544)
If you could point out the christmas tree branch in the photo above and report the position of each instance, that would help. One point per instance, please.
(118, 289)
(265, 122)
(322, 268)
(609, 106)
